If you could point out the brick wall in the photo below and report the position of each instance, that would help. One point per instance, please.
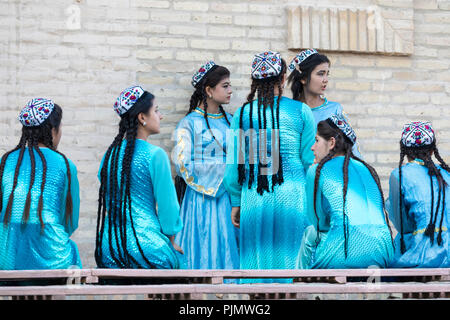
(83, 53)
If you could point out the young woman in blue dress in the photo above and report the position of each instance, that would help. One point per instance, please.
(209, 239)
(349, 228)
(39, 195)
(138, 212)
(309, 77)
(418, 201)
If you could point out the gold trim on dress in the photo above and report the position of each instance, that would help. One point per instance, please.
(423, 230)
(209, 115)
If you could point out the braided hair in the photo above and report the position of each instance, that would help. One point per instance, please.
(327, 130)
(31, 137)
(425, 153)
(211, 79)
(264, 90)
(114, 192)
(307, 66)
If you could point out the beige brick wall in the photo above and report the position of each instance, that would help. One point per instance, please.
(159, 44)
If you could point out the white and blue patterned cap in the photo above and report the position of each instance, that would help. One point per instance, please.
(341, 123)
(266, 64)
(302, 56)
(201, 72)
(36, 111)
(127, 99)
(417, 134)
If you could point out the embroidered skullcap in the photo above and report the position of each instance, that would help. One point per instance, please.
(266, 64)
(301, 57)
(201, 72)
(127, 99)
(417, 134)
(36, 111)
(341, 123)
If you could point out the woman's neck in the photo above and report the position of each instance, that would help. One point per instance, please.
(313, 100)
(213, 106)
(142, 134)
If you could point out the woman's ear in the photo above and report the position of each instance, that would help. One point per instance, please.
(331, 143)
(208, 91)
(141, 118)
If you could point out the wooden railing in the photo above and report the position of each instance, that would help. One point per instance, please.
(196, 284)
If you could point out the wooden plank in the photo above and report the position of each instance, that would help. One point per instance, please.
(270, 273)
(422, 288)
(92, 275)
(43, 274)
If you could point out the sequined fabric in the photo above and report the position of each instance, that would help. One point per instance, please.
(209, 239)
(416, 192)
(151, 185)
(272, 225)
(25, 247)
(369, 239)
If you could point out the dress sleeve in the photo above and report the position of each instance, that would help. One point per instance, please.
(230, 180)
(75, 194)
(203, 175)
(165, 194)
(308, 137)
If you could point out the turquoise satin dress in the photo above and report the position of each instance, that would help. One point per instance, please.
(327, 109)
(209, 239)
(272, 224)
(416, 192)
(25, 247)
(369, 238)
(154, 210)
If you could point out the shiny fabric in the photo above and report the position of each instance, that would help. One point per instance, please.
(154, 210)
(209, 239)
(416, 192)
(329, 108)
(272, 224)
(369, 238)
(25, 247)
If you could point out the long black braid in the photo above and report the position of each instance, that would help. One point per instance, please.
(425, 153)
(264, 89)
(343, 146)
(31, 137)
(116, 193)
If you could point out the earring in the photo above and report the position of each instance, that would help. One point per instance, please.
(144, 124)
(210, 96)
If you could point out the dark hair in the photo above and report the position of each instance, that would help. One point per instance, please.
(327, 130)
(117, 193)
(306, 66)
(424, 153)
(264, 89)
(31, 137)
(210, 79)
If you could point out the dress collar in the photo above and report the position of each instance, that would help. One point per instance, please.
(418, 161)
(322, 105)
(209, 115)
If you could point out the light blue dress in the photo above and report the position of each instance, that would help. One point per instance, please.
(24, 247)
(369, 238)
(416, 192)
(154, 210)
(209, 239)
(272, 224)
(327, 109)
